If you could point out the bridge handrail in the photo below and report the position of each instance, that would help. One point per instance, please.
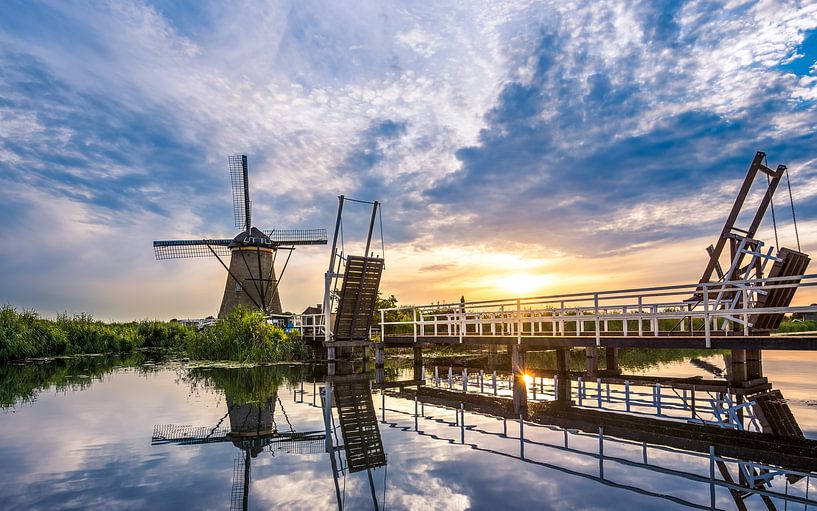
(635, 292)
(727, 303)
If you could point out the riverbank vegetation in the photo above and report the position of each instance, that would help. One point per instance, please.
(246, 336)
(242, 336)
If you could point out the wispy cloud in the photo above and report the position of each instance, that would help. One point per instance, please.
(547, 129)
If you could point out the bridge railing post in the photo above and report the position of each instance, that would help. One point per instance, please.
(624, 321)
(414, 322)
(561, 317)
(461, 317)
(655, 319)
(596, 313)
(707, 322)
(518, 321)
(640, 317)
(382, 325)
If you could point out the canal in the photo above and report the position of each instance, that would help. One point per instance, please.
(149, 431)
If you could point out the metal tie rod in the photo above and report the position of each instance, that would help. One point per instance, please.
(358, 200)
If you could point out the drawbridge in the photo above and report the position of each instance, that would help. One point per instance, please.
(746, 290)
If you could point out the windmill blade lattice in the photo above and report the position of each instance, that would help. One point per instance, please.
(185, 249)
(241, 191)
(297, 236)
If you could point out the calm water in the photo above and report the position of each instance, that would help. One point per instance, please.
(132, 434)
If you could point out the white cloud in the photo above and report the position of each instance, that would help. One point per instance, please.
(296, 86)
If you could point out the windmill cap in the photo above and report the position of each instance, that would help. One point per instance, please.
(252, 237)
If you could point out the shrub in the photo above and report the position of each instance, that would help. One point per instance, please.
(245, 335)
(158, 334)
(798, 326)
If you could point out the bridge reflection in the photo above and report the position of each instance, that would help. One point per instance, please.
(735, 436)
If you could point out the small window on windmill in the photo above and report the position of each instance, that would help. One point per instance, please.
(237, 287)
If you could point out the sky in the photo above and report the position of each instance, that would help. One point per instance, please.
(518, 147)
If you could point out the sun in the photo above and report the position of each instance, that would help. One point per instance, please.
(522, 284)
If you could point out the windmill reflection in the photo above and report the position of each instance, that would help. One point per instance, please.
(258, 422)
(252, 406)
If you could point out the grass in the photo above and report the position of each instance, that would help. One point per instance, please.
(241, 336)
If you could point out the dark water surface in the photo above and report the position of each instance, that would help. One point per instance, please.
(99, 433)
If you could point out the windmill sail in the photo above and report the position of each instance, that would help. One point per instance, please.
(241, 191)
(296, 236)
(184, 249)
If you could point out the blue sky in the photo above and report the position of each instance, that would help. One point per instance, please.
(568, 145)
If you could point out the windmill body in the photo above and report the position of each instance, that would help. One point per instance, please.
(253, 266)
(251, 280)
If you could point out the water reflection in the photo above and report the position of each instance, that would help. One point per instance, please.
(309, 438)
(362, 444)
(744, 428)
(252, 401)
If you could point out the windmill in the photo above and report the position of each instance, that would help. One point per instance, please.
(251, 280)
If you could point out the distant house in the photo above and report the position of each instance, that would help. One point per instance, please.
(806, 316)
(309, 313)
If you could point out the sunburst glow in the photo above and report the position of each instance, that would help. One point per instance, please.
(522, 284)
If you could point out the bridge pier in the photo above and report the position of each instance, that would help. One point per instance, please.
(520, 389)
(492, 356)
(611, 354)
(379, 363)
(592, 356)
(737, 366)
(563, 392)
(754, 364)
(418, 363)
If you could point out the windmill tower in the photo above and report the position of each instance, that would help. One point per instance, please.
(251, 280)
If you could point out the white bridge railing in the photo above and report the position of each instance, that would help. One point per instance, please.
(699, 310)
(308, 325)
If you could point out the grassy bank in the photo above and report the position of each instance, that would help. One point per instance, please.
(242, 336)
